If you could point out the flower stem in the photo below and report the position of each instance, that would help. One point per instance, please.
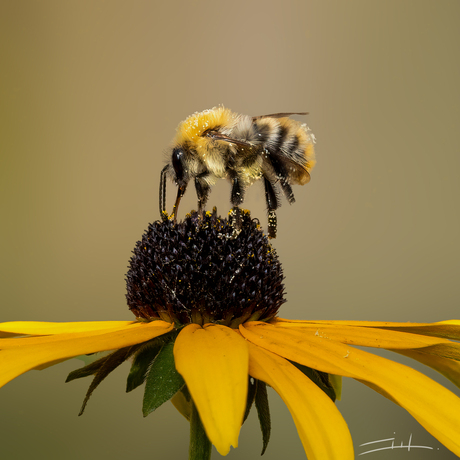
(200, 446)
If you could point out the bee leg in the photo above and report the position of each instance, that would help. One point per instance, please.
(236, 199)
(234, 220)
(202, 191)
(281, 175)
(272, 205)
(180, 194)
(287, 189)
(178, 158)
(237, 192)
(163, 191)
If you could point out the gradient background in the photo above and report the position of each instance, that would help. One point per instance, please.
(91, 93)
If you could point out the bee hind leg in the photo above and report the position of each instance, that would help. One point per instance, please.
(282, 176)
(272, 206)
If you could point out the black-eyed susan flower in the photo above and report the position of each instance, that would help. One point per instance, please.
(206, 337)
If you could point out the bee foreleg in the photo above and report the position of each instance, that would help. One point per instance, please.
(180, 194)
(163, 191)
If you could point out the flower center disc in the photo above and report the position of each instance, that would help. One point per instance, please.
(198, 271)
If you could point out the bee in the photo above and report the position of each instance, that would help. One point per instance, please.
(220, 144)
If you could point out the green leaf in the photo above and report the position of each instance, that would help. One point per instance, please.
(321, 379)
(163, 381)
(263, 411)
(252, 386)
(336, 383)
(85, 371)
(141, 363)
(111, 362)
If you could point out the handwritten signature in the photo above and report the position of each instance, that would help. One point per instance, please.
(392, 446)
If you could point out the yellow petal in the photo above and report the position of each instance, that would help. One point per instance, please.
(321, 427)
(14, 328)
(16, 342)
(438, 353)
(367, 336)
(35, 352)
(435, 407)
(429, 356)
(447, 329)
(214, 363)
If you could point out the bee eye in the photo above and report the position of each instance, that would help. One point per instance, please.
(177, 162)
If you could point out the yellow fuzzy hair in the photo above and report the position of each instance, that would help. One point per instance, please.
(191, 129)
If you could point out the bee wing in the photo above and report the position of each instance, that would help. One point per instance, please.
(280, 115)
(216, 135)
(298, 172)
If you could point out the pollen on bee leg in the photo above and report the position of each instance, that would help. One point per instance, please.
(165, 216)
(234, 216)
(272, 224)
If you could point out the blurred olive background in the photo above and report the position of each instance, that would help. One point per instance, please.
(91, 94)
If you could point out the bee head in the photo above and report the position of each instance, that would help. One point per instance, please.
(178, 166)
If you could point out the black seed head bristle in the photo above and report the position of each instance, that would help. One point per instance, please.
(198, 271)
